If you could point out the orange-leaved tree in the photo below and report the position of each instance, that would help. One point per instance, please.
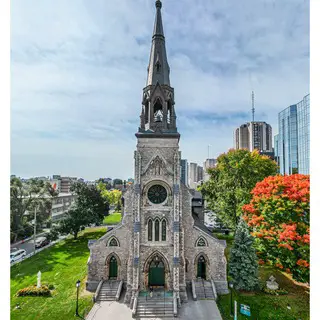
(279, 218)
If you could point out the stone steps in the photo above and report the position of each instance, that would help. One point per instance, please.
(108, 290)
(155, 307)
(203, 289)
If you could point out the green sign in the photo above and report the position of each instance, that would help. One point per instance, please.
(244, 309)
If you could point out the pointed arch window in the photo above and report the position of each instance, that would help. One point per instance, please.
(201, 243)
(163, 230)
(113, 242)
(150, 230)
(157, 227)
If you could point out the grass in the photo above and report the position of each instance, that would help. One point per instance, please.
(264, 306)
(61, 265)
(112, 219)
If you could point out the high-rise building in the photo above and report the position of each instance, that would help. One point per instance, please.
(294, 138)
(193, 175)
(200, 173)
(303, 118)
(184, 171)
(254, 135)
(209, 163)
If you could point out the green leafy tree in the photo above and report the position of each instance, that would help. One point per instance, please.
(24, 198)
(231, 181)
(243, 264)
(113, 197)
(89, 208)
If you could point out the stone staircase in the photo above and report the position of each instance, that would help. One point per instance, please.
(108, 290)
(203, 289)
(160, 306)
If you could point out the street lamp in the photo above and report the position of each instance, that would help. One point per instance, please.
(78, 286)
(231, 309)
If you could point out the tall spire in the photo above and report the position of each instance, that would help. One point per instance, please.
(158, 116)
(158, 70)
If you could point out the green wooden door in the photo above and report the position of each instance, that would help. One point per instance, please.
(201, 272)
(156, 274)
(113, 268)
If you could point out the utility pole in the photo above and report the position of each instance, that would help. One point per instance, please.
(35, 229)
(208, 151)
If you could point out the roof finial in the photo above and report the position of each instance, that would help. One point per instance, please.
(158, 4)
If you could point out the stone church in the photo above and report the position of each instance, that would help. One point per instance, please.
(160, 241)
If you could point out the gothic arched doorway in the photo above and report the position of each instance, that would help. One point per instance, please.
(156, 272)
(201, 267)
(113, 268)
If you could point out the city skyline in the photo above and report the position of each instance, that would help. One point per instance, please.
(76, 100)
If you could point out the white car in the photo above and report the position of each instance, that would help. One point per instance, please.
(17, 255)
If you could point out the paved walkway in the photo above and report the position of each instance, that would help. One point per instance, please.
(202, 309)
(109, 310)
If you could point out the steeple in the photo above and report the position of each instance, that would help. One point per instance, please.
(158, 116)
(158, 70)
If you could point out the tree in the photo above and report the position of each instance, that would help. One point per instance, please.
(113, 197)
(231, 181)
(243, 264)
(117, 181)
(89, 208)
(279, 218)
(24, 198)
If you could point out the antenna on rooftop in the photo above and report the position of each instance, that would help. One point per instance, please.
(252, 106)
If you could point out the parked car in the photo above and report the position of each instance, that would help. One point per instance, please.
(42, 242)
(17, 255)
(13, 250)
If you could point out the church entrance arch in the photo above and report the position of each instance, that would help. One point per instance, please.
(156, 271)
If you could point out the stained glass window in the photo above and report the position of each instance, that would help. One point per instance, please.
(157, 194)
(164, 230)
(150, 230)
(156, 238)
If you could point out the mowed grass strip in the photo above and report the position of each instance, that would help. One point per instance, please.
(61, 265)
(112, 219)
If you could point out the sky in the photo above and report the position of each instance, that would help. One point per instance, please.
(78, 69)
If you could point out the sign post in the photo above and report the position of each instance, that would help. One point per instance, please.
(244, 309)
(235, 310)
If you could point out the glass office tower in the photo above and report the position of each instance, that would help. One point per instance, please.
(293, 141)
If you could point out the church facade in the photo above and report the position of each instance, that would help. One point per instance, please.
(160, 242)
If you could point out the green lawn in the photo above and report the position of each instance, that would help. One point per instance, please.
(112, 219)
(61, 265)
(268, 307)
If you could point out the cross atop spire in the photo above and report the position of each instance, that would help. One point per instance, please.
(158, 28)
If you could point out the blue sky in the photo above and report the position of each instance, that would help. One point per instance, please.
(78, 69)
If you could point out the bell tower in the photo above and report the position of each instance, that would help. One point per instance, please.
(158, 110)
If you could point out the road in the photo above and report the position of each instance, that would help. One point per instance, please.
(28, 245)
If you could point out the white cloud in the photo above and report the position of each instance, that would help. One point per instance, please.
(78, 69)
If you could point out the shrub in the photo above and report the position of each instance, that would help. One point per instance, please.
(278, 292)
(34, 291)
